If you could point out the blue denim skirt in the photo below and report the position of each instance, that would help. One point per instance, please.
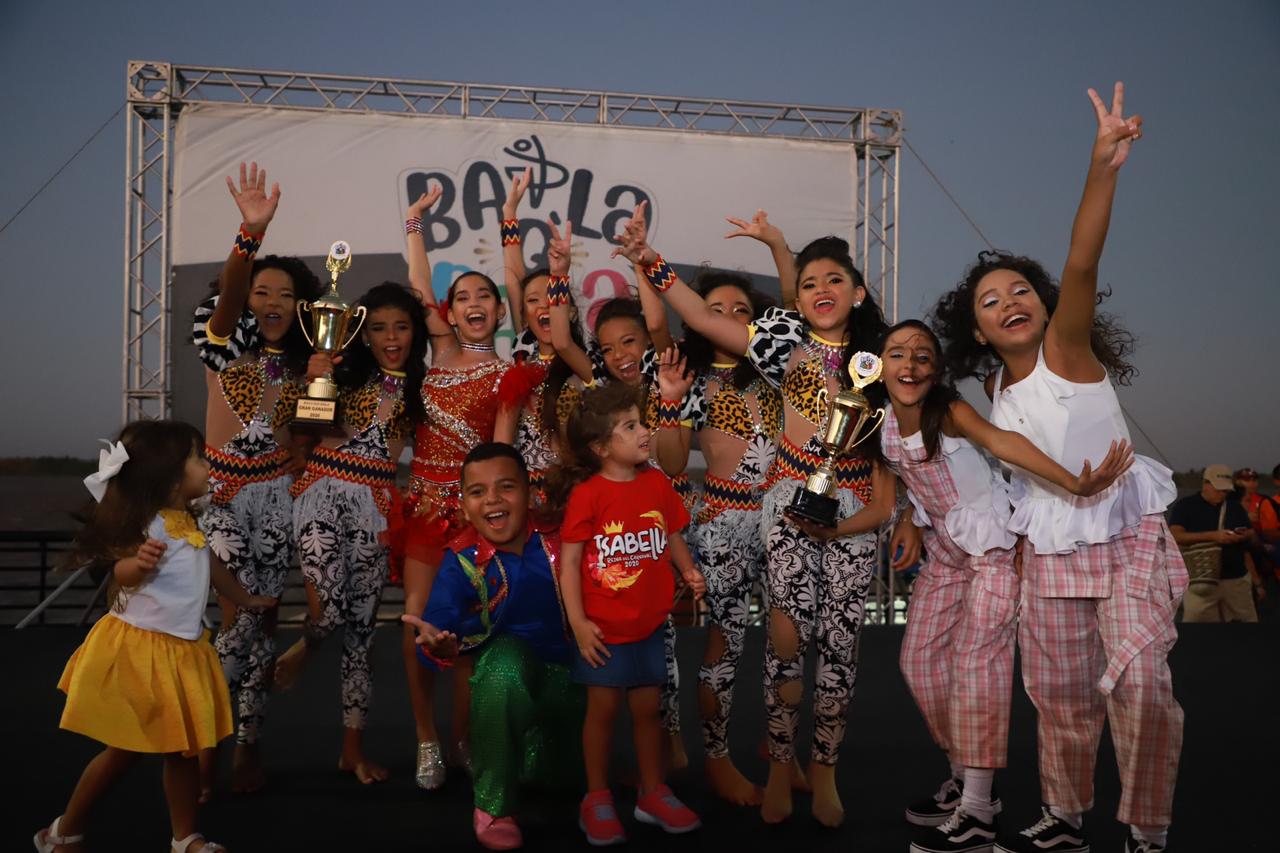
(639, 664)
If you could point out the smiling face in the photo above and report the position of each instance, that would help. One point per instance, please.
(537, 311)
(195, 477)
(495, 499)
(389, 335)
(475, 310)
(910, 363)
(1010, 314)
(272, 301)
(623, 342)
(825, 296)
(628, 442)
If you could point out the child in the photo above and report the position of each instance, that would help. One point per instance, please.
(622, 537)
(957, 652)
(497, 598)
(255, 354)
(146, 680)
(1102, 576)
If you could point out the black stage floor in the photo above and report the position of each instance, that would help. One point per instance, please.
(1226, 678)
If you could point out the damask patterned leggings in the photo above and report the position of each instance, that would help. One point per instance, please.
(253, 537)
(338, 529)
(820, 588)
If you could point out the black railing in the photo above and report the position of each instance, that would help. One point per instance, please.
(28, 559)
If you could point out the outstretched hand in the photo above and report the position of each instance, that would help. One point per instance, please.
(257, 208)
(1116, 134)
(558, 248)
(511, 206)
(425, 201)
(758, 228)
(442, 644)
(633, 242)
(1118, 459)
(674, 379)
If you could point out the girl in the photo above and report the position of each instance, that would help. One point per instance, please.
(957, 652)
(457, 394)
(1102, 577)
(621, 539)
(736, 415)
(533, 418)
(346, 508)
(146, 680)
(817, 577)
(255, 356)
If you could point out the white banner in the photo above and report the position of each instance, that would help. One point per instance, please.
(351, 176)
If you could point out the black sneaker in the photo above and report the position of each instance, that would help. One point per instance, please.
(959, 833)
(935, 810)
(1133, 845)
(1050, 834)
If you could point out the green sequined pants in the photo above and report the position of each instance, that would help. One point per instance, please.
(526, 725)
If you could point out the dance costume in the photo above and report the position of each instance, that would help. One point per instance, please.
(526, 715)
(535, 443)
(957, 652)
(821, 587)
(726, 534)
(346, 509)
(146, 679)
(249, 520)
(1101, 583)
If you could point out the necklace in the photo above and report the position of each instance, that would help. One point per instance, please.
(392, 382)
(832, 353)
(469, 347)
(271, 363)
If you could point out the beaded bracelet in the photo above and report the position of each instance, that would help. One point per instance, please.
(660, 274)
(511, 232)
(413, 225)
(558, 290)
(248, 244)
(668, 414)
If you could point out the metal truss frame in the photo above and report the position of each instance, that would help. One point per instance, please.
(157, 92)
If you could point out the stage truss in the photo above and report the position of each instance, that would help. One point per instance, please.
(157, 92)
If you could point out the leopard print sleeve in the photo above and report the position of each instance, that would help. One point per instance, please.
(217, 353)
(773, 336)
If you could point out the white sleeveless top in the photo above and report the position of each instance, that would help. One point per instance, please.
(1071, 422)
(172, 599)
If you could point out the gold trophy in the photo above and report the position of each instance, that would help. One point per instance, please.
(330, 322)
(850, 421)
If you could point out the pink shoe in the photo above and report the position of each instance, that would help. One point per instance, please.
(660, 807)
(496, 833)
(599, 819)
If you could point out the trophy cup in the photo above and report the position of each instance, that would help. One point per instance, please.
(330, 323)
(850, 421)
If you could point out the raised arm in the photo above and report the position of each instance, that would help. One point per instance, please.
(559, 294)
(655, 313)
(257, 209)
(724, 332)
(442, 335)
(1017, 449)
(672, 439)
(759, 228)
(1067, 338)
(513, 269)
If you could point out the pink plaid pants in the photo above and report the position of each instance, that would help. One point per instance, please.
(1086, 660)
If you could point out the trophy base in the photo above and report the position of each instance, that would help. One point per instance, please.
(318, 412)
(813, 507)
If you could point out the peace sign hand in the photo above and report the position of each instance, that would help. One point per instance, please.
(758, 228)
(256, 207)
(521, 183)
(633, 242)
(1116, 134)
(558, 248)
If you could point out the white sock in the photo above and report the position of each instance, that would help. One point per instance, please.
(957, 770)
(1073, 818)
(976, 799)
(1151, 834)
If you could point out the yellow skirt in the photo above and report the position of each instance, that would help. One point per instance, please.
(146, 691)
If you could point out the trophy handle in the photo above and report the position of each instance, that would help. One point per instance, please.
(361, 312)
(300, 306)
(868, 433)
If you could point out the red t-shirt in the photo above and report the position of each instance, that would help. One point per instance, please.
(627, 580)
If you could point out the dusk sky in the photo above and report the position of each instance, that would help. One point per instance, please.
(993, 95)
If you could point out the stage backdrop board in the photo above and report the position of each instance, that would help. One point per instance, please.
(351, 176)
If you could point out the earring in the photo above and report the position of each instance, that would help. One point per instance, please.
(857, 305)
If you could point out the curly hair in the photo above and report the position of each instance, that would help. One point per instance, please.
(358, 364)
(306, 287)
(700, 352)
(866, 323)
(590, 424)
(955, 319)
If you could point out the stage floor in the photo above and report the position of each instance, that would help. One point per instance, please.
(1226, 678)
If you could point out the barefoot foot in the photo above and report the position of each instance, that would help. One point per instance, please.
(247, 773)
(365, 770)
(289, 666)
(799, 782)
(776, 805)
(729, 783)
(827, 807)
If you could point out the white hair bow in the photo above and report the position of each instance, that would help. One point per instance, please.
(110, 461)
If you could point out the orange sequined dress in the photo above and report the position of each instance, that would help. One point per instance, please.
(461, 406)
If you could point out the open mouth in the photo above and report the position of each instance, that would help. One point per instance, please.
(476, 320)
(393, 354)
(824, 305)
(1015, 321)
(907, 380)
(543, 320)
(644, 445)
(497, 520)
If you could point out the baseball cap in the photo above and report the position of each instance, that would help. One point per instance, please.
(1219, 476)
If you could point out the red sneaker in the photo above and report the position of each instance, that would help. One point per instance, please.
(599, 819)
(661, 808)
(496, 833)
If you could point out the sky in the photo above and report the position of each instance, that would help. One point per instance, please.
(993, 95)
